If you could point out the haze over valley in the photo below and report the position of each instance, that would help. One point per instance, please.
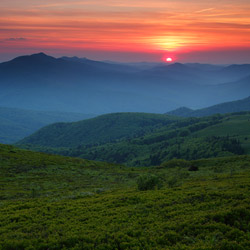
(42, 82)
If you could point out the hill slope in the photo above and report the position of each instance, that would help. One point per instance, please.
(223, 108)
(102, 129)
(16, 124)
(185, 139)
(189, 138)
(54, 202)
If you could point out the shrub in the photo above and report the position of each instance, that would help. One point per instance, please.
(148, 182)
(193, 168)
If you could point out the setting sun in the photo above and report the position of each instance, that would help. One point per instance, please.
(169, 59)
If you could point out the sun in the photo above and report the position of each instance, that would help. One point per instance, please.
(169, 59)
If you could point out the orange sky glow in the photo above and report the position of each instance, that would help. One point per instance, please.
(190, 30)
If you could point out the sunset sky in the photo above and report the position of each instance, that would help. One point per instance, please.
(214, 31)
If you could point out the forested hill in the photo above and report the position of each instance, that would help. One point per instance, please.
(222, 108)
(146, 139)
(101, 129)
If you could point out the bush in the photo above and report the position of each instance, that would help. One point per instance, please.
(193, 168)
(148, 182)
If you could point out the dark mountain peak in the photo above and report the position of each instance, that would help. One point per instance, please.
(41, 54)
(34, 58)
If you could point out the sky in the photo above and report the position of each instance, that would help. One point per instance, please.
(214, 31)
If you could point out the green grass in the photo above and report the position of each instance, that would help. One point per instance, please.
(55, 202)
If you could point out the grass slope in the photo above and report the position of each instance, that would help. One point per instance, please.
(54, 202)
(16, 124)
(101, 129)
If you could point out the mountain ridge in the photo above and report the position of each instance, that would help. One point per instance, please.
(43, 82)
(222, 108)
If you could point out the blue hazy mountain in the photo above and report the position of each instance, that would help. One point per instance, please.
(222, 108)
(16, 124)
(42, 82)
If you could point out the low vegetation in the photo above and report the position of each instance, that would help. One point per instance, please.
(55, 202)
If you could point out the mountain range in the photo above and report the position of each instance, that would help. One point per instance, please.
(72, 84)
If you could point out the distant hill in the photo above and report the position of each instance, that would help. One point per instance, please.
(16, 124)
(101, 129)
(236, 71)
(43, 82)
(73, 84)
(223, 108)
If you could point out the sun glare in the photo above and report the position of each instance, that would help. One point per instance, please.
(169, 59)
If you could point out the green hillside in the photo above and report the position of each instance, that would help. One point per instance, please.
(16, 124)
(101, 129)
(55, 202)
(222, 108)
(189, 138)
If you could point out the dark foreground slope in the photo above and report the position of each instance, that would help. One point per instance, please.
(53, 202)
(223, 108)
(16, 124)
(185, 138)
